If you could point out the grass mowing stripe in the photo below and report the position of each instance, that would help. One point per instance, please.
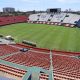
(42, 34)
(77, 41)
(52, 39)
(47, 39)
(30, 34)
(37, 33)
(71, 40)
(59, 38)
(64, 41)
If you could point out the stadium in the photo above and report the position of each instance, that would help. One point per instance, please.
(44, 45)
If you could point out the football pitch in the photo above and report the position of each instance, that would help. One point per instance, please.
(46, 36)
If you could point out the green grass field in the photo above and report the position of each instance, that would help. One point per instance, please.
(46, 36)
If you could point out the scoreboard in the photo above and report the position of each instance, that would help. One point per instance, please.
(54, 10)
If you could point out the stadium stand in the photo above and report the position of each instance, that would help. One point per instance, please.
(10, 72)
(44, 17)
(66, 19)
(74, 19)
(12, 19)
(16, 64)
(65, 64)
(5, 49)
(59, 17)
(34, 17)
(78, 23)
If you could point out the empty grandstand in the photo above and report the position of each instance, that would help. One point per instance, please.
(57, 18)
(35, 63)
(12, 19)
(19, 61)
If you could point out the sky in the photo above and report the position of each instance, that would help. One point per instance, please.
(27, 5)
